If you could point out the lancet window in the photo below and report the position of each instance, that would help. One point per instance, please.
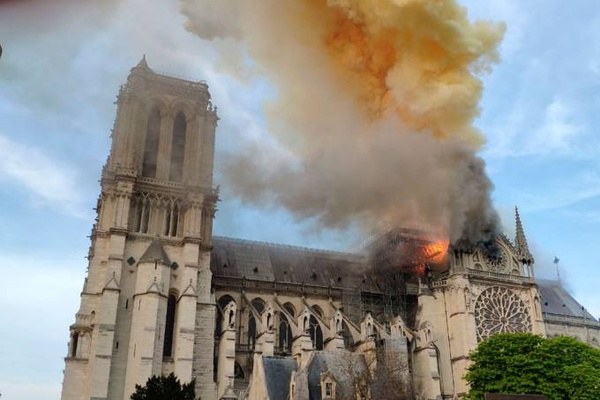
(143, 207)
(171, 224)
(75, 344)
(316, 333)
(285, 337)
(259, 306)
(170, 325)
(178, 147)
(151, 144)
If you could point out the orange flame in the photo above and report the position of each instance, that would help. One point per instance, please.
(436, 252)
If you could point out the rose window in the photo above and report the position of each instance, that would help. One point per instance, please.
(497, 262)
(500, 310)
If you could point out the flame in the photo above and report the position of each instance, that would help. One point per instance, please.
(436, 252)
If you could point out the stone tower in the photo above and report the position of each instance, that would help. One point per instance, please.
(146, 305)
(482, 293)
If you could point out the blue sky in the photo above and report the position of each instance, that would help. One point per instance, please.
(59, 75)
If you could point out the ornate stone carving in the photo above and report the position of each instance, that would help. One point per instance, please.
(500, 310)
(499, 262)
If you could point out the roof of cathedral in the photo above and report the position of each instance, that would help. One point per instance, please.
(270, 262)
(278, 372)
(556, 300)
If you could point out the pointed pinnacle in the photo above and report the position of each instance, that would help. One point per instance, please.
(521, 241)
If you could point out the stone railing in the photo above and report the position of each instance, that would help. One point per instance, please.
(161, 182)
(439, 283)
(498, 275)
(247, 284)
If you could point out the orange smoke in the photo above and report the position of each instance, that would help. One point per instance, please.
(373, 112)
(414, 58)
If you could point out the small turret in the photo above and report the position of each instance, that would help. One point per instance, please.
(521, 241)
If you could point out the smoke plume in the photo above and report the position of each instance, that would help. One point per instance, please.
(375, 104)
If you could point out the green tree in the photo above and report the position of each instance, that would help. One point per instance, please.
(164, 388)
(560, 368)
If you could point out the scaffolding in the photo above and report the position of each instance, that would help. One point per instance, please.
(398, 261)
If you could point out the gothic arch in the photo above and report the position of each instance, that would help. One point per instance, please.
(221, 304)
(151, 141)
(316, 333)
(178, 140)
(254, 320)
(317, 310)
(258, 304)
(178, 105)
(170, 320)
(284, 334)
(289, 307)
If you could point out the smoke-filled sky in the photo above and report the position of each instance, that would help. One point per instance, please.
(298, 112)
(375, 104)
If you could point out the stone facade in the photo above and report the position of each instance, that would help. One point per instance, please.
(268, 321)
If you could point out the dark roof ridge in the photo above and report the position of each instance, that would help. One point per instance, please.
(288, 246)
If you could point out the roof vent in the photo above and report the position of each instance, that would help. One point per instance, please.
(255, 269)
(174, 265)
(313, 274)
(131, 261)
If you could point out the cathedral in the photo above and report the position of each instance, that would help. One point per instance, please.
(253, 320)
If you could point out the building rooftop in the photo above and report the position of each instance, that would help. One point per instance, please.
(556, 300)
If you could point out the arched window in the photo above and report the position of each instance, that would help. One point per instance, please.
(251, 331)
(169, 326)
(75, 344)
(284, 342)
(316, 334)
(289, 307)
(317, 310)
(259, 306)
(171, 219)
(142, 214)
(151, 147)
(223, 302)
(177, 148)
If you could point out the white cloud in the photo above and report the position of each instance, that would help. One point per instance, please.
(47, 180)
(558, 133)
(560, 193)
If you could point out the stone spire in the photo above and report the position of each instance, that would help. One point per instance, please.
(521, 241)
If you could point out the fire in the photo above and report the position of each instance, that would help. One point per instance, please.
(436, 252)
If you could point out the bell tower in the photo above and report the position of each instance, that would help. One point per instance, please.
(146, 307)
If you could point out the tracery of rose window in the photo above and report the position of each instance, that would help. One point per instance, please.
(499, 310)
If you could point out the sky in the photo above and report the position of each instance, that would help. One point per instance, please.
(60, 72)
